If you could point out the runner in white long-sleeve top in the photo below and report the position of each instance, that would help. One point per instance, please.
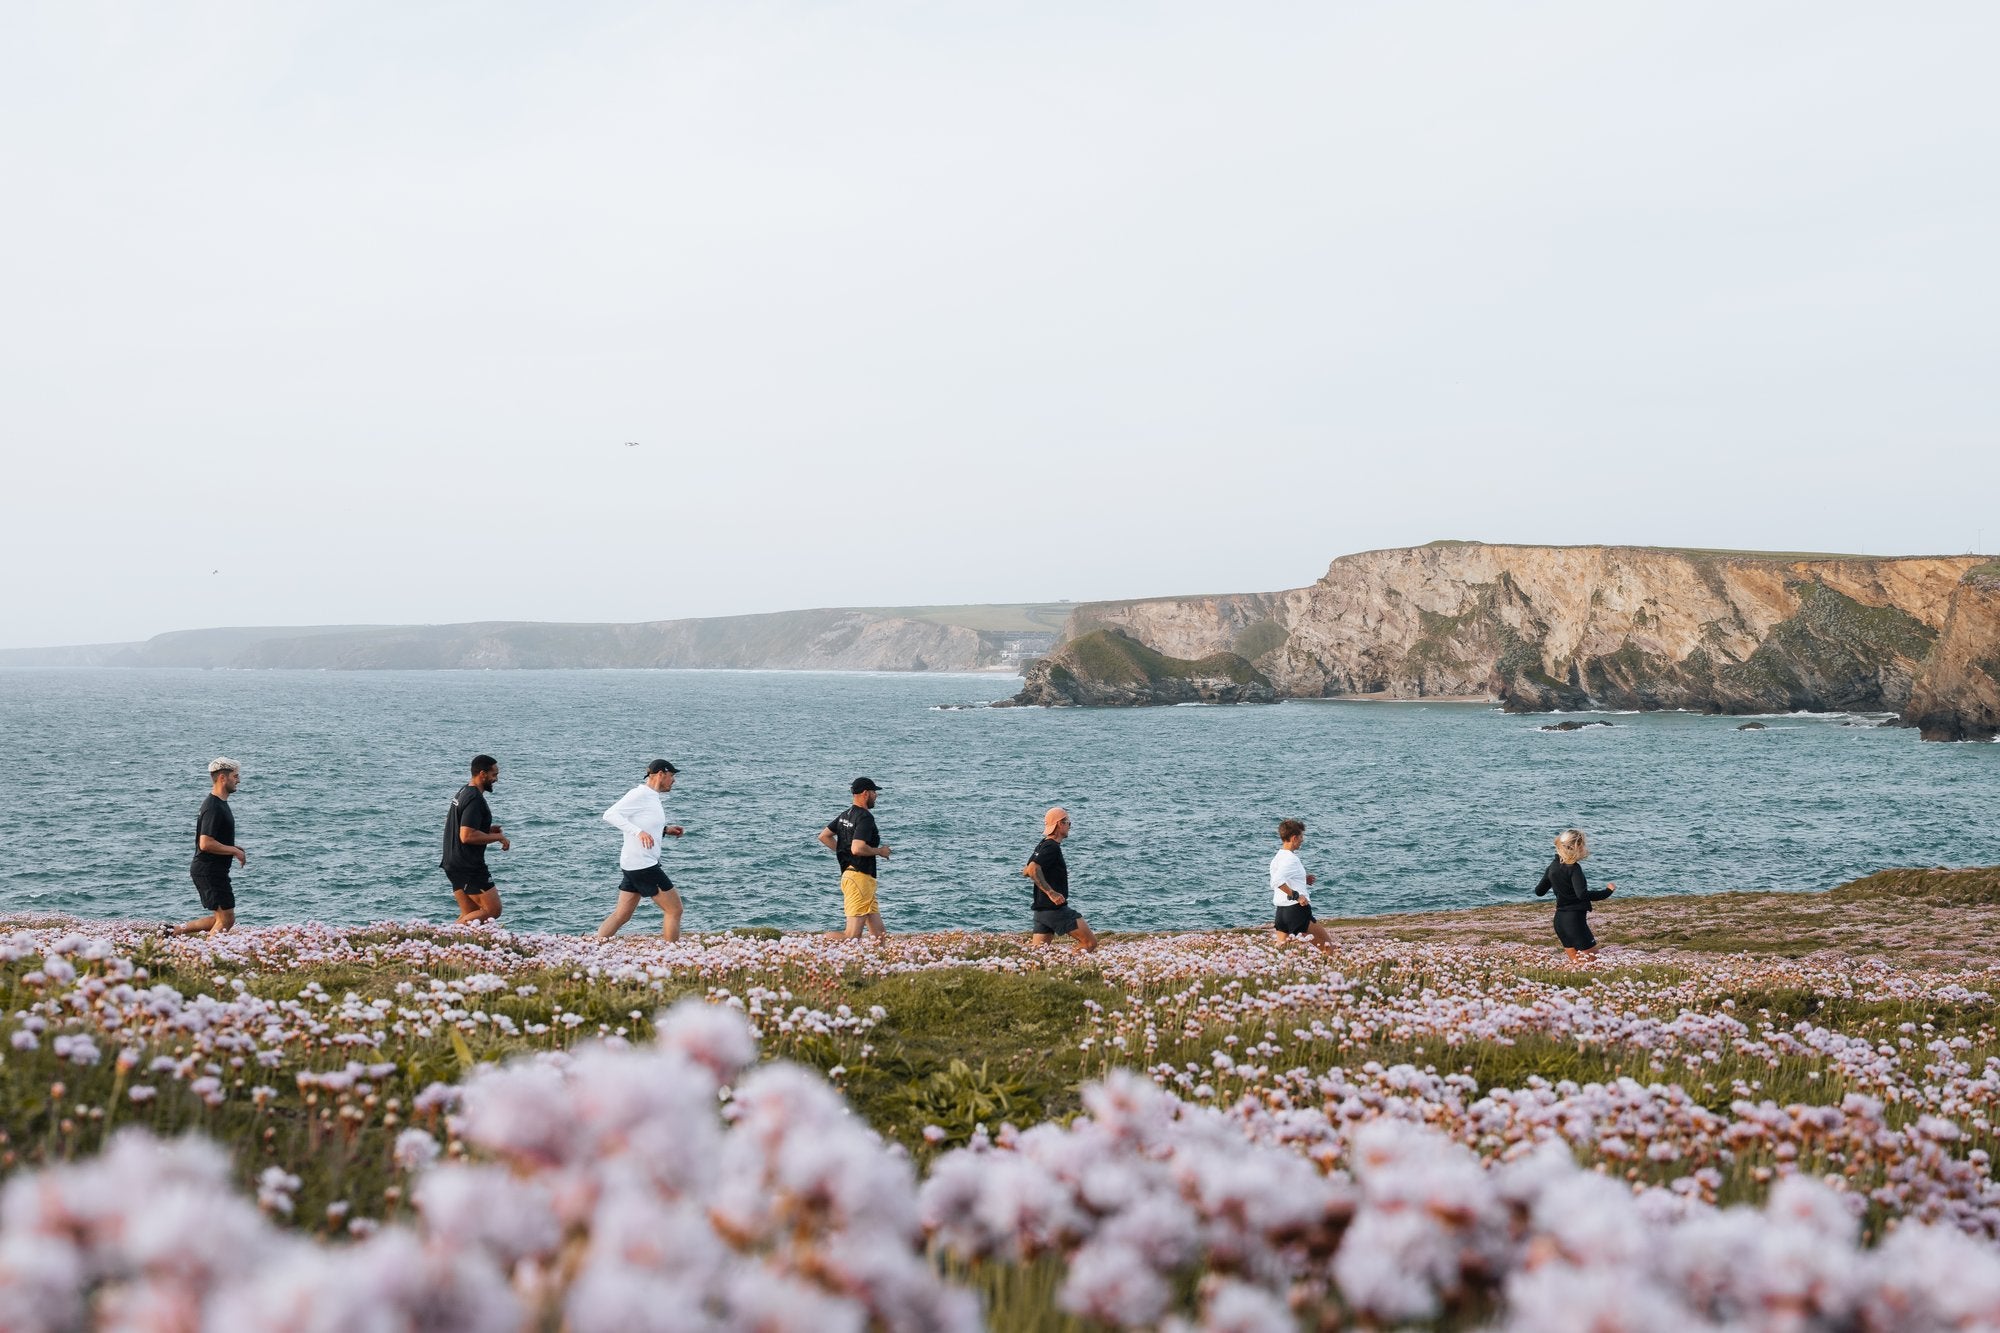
(641, 817)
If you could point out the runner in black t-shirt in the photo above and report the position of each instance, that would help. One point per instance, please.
(855, 843)
(468, 831)
(215, 850)
(1046, 867)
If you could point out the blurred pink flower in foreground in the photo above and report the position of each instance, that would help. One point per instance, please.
(612, 1196)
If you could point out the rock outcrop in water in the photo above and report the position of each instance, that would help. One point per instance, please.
(1957, 693)
(1550, 627)
(1104, 669)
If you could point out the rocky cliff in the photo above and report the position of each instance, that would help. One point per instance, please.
(1106, 669)
(1549, 627)
(1956, 696)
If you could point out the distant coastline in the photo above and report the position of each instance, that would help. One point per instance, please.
(972, 638)
(1533, 628)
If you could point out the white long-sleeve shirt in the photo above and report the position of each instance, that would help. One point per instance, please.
(1288, 872)
(637, 811)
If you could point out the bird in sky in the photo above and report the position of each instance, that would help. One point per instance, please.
(631, 444)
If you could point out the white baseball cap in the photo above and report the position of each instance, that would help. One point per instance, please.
(224, 766)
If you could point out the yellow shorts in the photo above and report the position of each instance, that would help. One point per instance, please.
(857, 891)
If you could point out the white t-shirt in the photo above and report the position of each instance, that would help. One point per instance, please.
(1287, 870)
(637, 810)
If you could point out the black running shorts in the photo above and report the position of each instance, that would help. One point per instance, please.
(1294, 918)
(646, 881)
(469, 879)
(213, 887)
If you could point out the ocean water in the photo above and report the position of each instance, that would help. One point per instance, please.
(1410, 806)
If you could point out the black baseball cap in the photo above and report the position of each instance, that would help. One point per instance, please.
(864, 784)
(660, 766)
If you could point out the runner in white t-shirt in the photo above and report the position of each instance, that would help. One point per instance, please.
(1289, 883)
(639, 815)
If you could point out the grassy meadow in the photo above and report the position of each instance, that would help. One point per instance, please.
(1704, 1049)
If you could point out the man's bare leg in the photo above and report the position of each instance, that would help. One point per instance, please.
(670, 915)
(487, 904)
(627, 904)
(467, 905)
(1082, 937)
(1320, 937)
(1041, 937)
(212, 924)
(872, 923)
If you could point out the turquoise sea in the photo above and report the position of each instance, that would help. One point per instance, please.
(1410, 806)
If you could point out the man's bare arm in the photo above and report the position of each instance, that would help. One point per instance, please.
(1034, 872)
(860, 848)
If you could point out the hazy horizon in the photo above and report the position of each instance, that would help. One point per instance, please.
(345, 313)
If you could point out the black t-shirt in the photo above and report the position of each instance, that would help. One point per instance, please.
(851, 823)
(217, 821)
(468, 809)
(1048, 855)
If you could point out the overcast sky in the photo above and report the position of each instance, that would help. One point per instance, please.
(357, 304)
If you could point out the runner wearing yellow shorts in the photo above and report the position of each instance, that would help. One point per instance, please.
(852, 837)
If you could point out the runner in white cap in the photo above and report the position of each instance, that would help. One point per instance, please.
(643, 820)
(215, 850)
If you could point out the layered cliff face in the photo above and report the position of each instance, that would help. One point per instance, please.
(1106, 669)
(1957, 693)
(1540, 627)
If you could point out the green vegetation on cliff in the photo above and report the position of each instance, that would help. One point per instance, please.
(1105, 669)
(1265, 636)
(1834, 649)
(1111, 658)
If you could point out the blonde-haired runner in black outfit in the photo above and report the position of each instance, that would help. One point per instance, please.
(1573, 894)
